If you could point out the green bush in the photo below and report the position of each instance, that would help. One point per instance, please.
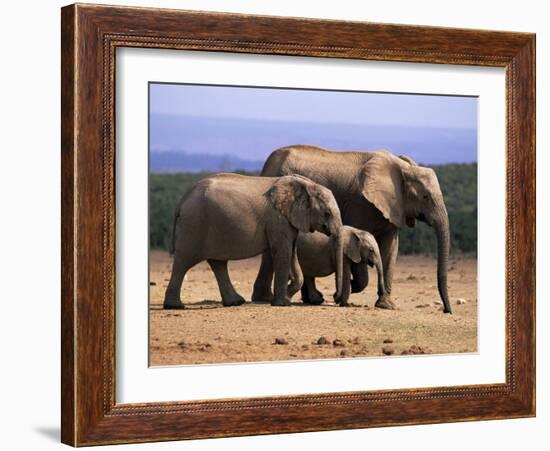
(165, 190)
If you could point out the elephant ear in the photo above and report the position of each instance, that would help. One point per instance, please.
(289, 196)
(381, 181)
(352, 247)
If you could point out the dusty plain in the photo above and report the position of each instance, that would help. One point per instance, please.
(205, 332)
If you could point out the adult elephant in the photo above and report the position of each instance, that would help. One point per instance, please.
(232, 217)
(375, 191)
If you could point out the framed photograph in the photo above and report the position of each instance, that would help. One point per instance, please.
(278, 225)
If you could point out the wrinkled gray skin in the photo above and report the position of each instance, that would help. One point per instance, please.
(317, 255)
(376, 191)
(232, 217)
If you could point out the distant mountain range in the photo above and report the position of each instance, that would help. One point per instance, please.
(188, 143)
(166, 162)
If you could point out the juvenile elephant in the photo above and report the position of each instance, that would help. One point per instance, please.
(376, 191)
(317, 255)
(232, 217)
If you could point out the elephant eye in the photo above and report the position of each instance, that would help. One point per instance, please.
(327, 214)
(426, 196)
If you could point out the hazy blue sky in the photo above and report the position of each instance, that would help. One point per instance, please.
(248, 123)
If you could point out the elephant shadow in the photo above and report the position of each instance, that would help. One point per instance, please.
(204, 304)
(212, 304)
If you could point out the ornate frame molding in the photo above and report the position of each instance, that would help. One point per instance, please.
(90, 37)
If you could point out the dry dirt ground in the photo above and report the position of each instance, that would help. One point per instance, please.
(207, 332)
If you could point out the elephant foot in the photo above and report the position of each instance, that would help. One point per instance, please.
(233, 301)
(313, 298)
(173, 306)
(385, 303)
(341, 302)
(292, 290)
(280, 302)
(262, 298)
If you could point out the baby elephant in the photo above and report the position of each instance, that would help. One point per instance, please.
(232, 217)
(318, 253)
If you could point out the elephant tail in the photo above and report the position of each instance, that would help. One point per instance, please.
(172, 249)
(177, 212)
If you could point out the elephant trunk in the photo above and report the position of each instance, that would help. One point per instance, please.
(441, 225)
(339, 263)
(172, 249)
(380, 272)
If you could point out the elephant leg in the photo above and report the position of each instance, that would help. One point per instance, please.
(310, 294)
(182, 264)
(296, 275)
(360, 274)
(389, 246)
(227, 291)
(262, 286)
(282, 257)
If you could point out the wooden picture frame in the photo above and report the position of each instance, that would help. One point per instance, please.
(90, 36)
